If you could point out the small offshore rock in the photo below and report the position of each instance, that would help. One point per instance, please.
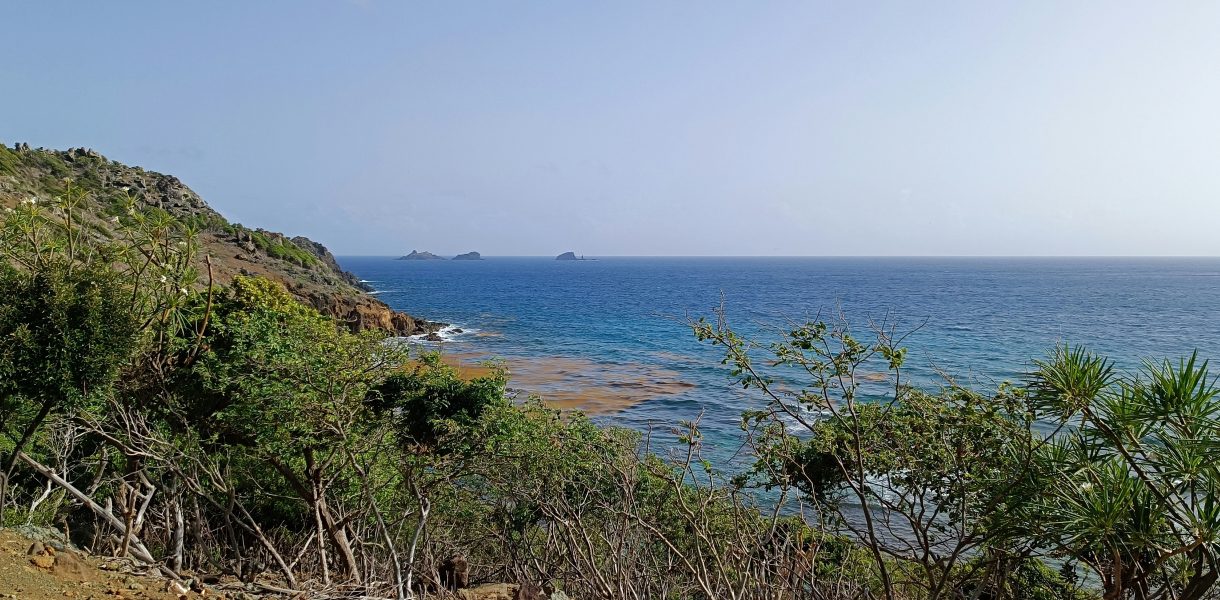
(417, 255)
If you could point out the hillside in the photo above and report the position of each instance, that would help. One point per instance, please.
(304, 266)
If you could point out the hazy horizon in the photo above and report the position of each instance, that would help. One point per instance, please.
(636, 129)
(485, 256)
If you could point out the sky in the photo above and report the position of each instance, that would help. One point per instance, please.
(650, 128)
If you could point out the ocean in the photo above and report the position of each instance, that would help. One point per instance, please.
(610, 336)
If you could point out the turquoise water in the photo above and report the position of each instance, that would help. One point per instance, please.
(617, 324)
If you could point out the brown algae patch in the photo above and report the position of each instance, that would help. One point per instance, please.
(597, 388)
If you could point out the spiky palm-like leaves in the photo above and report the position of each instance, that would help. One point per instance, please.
(1138, 492)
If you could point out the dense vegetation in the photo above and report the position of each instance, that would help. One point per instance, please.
(201, 429)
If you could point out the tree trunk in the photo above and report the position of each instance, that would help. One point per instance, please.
(317, 518)
(26, 435)
(337, 533)
(314, 496)
(179, 534)
(137, 547)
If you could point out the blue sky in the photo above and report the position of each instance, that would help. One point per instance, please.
(650, 128)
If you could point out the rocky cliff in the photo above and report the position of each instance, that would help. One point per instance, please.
(305, 267)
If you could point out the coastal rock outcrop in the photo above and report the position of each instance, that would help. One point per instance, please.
(469, 256)
(365, 312)
(417, 255)
(567, 256)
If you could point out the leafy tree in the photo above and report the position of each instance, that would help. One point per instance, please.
(281, 389)
(66, 324)
(928, 482)
(430, 398)
(77, 307)
(64, 335)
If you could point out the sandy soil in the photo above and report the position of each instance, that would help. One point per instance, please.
(52, 575)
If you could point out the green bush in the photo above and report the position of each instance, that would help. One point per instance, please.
(10, 161)
(281, 248)
(65, 332)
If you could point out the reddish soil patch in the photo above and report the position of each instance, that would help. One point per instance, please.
(58, 575)
(578, 383)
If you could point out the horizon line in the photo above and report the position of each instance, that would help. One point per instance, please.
(963, 256)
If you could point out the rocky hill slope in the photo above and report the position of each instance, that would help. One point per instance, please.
(304, 266)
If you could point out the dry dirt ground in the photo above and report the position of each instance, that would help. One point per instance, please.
(42, 573)
(65, 575)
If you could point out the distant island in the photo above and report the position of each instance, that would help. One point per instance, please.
(570, 256)
(417, 255)
(469, 256)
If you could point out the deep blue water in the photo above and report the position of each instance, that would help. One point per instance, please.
(982, 319)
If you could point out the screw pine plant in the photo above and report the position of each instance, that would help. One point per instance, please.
(1137, 493)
